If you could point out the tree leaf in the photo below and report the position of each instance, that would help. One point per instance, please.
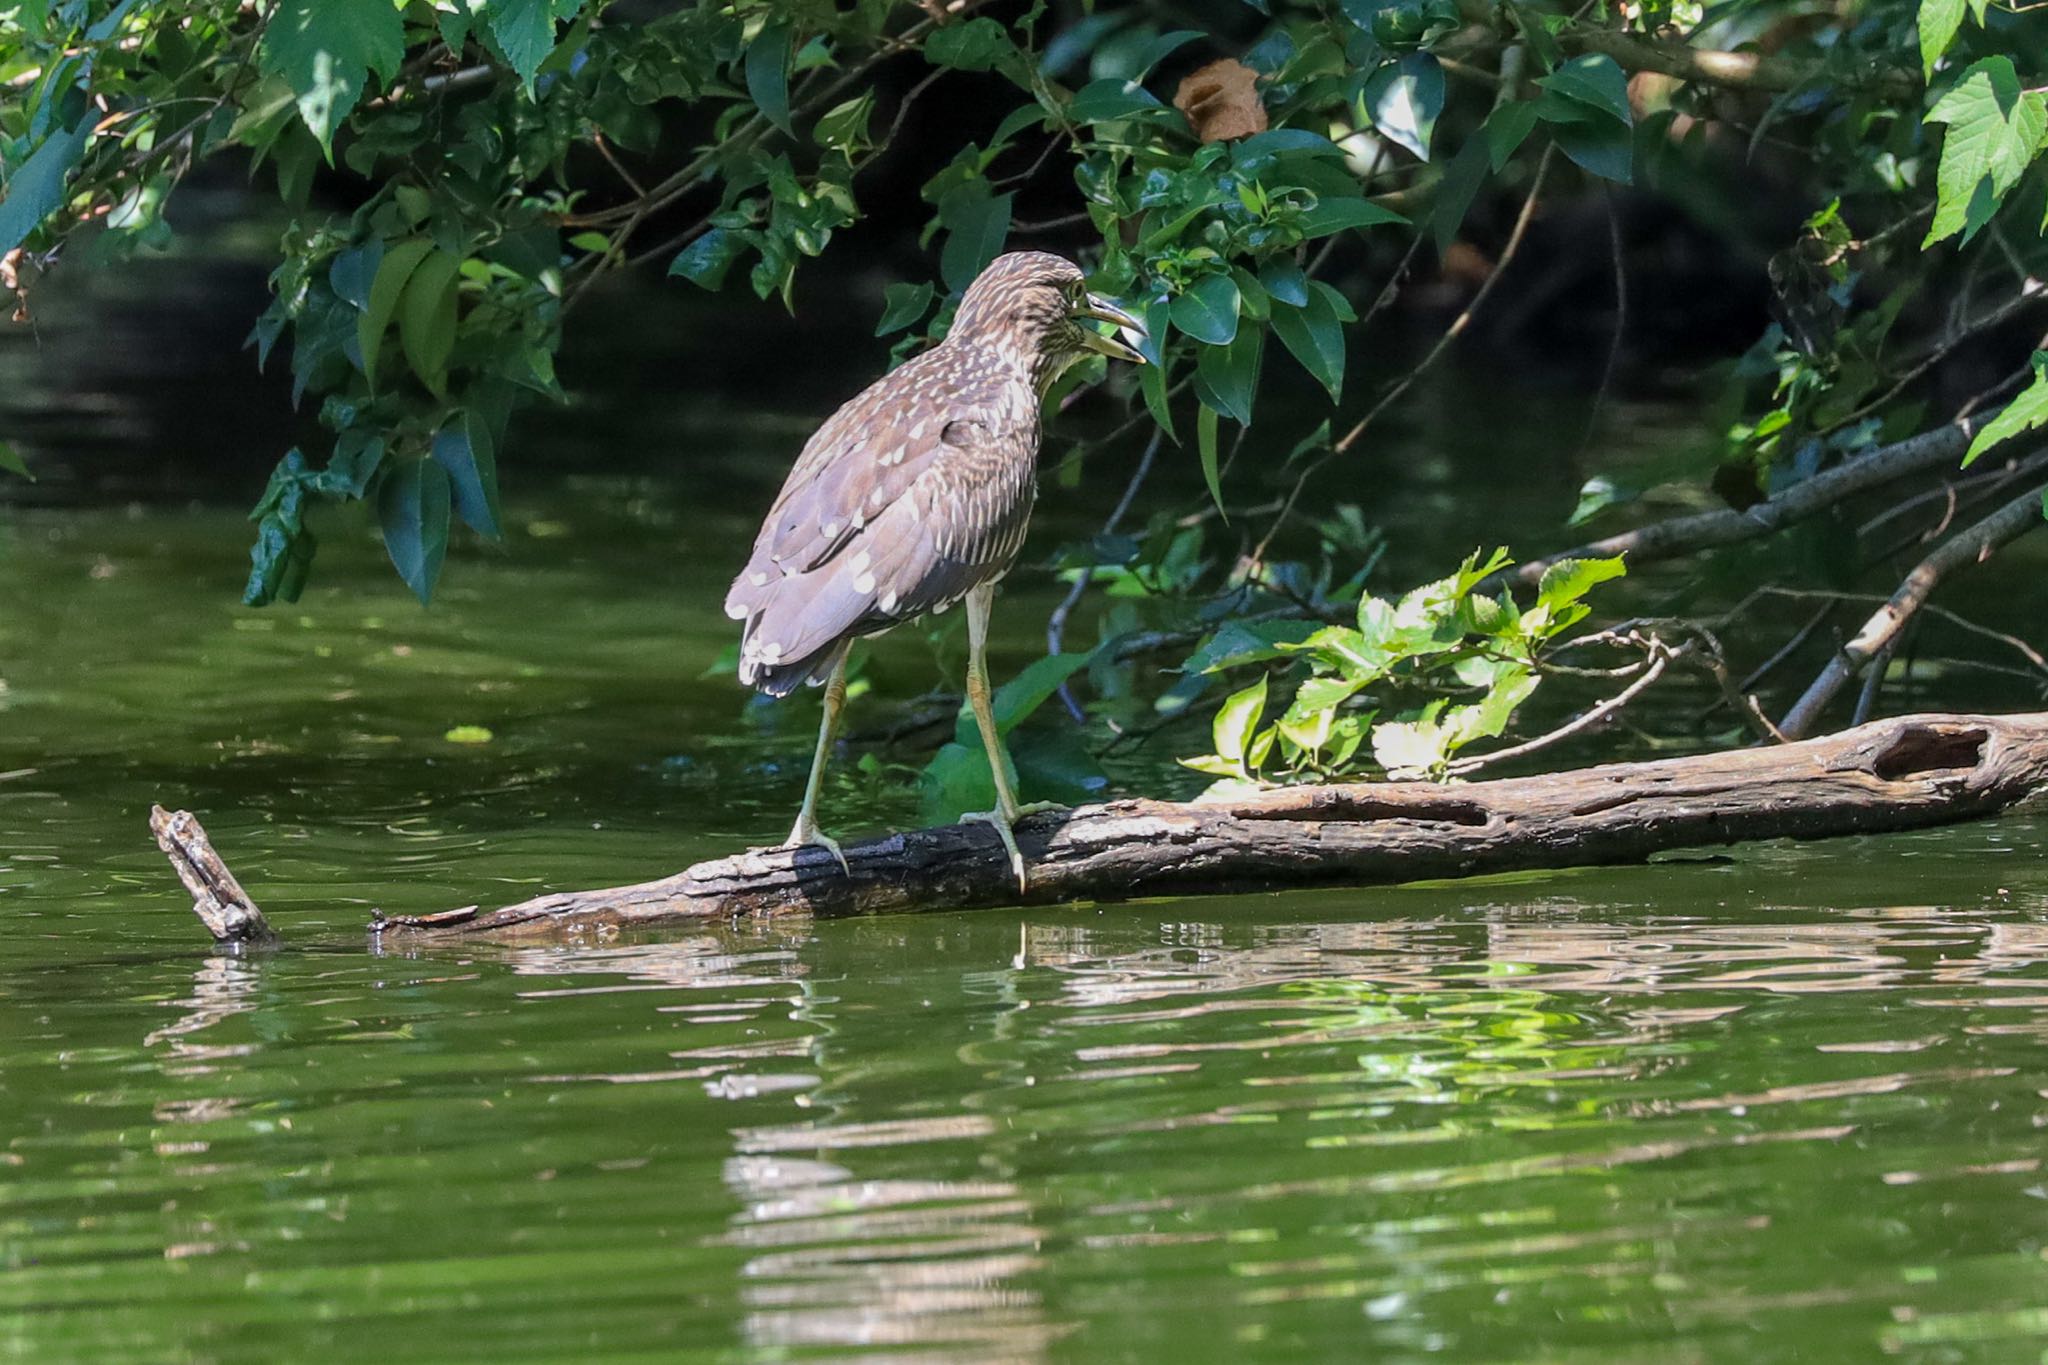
(1313, 336)
(426, 319)
(1231, 731)
(1205, 450)
(1939, 21)
(767, 73)
(413, 506)
(1456, 191)
(1598, 145)
(324, 50)
(1596, 81)
(392, 273)
(352, 272)
(705, 261)
(903, 305)
(463, 448)
(1994, 130)
(1108, 100)
(1409, 749)
(36, 189)
(1227, 377)
(1152, 383)
(978, 224)
(1568, 580)
(1332, 214)
(844, 127)
(1285, 280)
(1207, 310)
(976, 45)
(1404, 99)
(2026, 412)
(11, 461)
(525, 33)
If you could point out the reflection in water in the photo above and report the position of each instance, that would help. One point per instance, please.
(1494, 1131)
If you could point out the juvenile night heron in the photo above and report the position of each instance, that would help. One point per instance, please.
(914, 496)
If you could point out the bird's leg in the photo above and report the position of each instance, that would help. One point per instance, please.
(1007, 810)
(806, 830)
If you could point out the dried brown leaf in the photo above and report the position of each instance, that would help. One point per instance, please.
(1221, 101)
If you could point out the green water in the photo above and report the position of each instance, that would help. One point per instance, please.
(1789, 1104)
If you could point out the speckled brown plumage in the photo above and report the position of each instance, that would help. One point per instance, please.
(918, 490)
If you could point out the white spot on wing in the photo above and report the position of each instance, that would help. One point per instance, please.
(759, 580)
(865, 583)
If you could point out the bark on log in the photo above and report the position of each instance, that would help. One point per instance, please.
(1903, 773)
(217, 898)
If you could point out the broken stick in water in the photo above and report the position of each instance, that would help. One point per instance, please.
(217, 898)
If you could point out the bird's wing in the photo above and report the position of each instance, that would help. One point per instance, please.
(893, 510)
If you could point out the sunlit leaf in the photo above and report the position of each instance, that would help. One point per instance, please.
(1939, 21)
(11, 461)
(1596, 81)
(2024, 413)
(1236, 719)
(1404, 99)
(325, 50)
(525, 33)
(1994, 131)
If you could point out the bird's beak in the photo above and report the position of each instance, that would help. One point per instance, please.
(1099, 309)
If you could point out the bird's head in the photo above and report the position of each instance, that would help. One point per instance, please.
(1036, 306)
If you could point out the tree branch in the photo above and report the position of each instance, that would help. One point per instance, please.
(1736, 70)
(1973, 546)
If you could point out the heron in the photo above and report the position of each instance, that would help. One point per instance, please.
(914, 497)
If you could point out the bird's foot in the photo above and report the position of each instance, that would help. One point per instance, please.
(808, 835)
(1001, 821)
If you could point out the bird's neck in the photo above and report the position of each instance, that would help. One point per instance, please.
(1036, 369)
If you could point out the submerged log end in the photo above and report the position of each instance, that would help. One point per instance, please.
(217, 897)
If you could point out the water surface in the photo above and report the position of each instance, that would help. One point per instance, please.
(1784, 1104)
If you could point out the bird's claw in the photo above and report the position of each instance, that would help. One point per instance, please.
(814, 838)
(1001, 822)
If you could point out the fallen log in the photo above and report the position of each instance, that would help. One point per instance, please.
(1904, 773)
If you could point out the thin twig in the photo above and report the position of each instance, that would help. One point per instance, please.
(1660, 657)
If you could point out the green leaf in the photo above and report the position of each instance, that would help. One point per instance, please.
(1285, 281)
(11, 461)
(1404, 99)
(1456, 191)
(1159, 48)
(1227, 377)
(426, 318)
(352, 272)
(392, 273)
(463, 448)
(1016, 700)
(978, 224)
(1231, 731)
(977, 45)
(844, 127)
(705, 261)
(1205, 448)
(1568, 580)
(1108, 100)
(1208, 309)
(1152, 383)
(324, 50)
(1335, 215)
(1596, 81)
(1939, 22)
(36, 188)
(1599, 146)
(902, 306)
(1313, 336)
(1506, 129)
(1994, 130)
(413, 506)
(525, 33)
(767, 73)
(2026, 412)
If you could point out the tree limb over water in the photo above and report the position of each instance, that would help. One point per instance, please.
(1904, 773)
